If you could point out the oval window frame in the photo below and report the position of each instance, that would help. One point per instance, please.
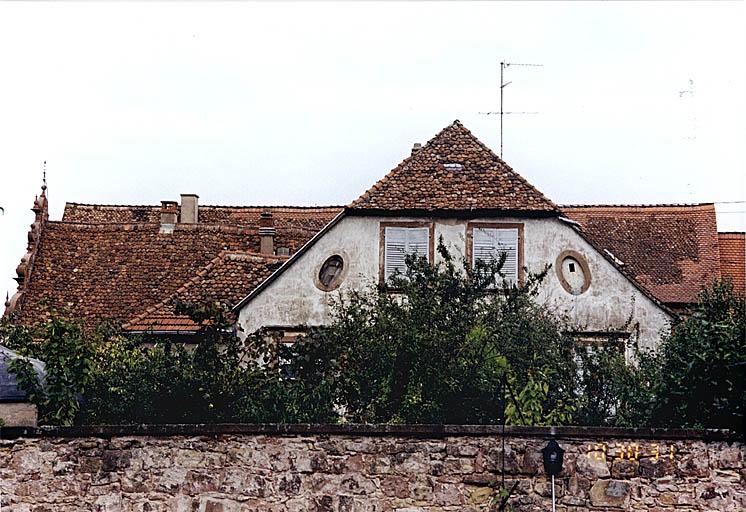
(338, 279)
(583, 265)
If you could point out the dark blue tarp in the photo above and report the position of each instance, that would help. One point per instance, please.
(9, 391)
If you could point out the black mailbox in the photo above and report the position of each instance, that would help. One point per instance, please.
(553, 454)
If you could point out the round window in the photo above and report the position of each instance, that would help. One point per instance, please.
(330, 273)
(573, 272)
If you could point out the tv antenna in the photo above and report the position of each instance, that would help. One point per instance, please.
(503, 84)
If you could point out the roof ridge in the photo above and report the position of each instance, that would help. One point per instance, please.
(380, 182)
(290, 207)
(640, 205)
(189, 282)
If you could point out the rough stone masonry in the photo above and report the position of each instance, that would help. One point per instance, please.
(232, 468)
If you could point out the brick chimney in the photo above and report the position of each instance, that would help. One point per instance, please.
(189, 209)
(267, 233)
(417, 146)
(168, 216)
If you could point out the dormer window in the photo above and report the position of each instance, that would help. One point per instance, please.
(450, 166)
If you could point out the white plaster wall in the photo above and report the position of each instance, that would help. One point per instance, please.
(293, 299)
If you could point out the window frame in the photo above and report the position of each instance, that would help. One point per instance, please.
(382, 244)
(496, 225)
(584, 267)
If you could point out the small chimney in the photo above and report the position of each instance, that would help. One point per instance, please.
(266, 233)
(189, 209)
(417, 146)
(168, 216)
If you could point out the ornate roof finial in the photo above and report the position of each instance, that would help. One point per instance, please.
(7, 300)
(44, 178)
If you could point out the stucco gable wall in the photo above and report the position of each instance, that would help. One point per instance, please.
(293, 299)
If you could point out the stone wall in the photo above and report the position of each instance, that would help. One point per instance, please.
(231, 468)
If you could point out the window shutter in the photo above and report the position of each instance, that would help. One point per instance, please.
(400, 242)
(489, 243)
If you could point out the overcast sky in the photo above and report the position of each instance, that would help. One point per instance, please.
(311, 103)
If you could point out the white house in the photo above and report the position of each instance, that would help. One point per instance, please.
(454, 187)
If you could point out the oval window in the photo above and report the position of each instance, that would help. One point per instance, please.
(573, 272)
(331, 272)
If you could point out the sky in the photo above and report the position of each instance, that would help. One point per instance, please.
(311, 103)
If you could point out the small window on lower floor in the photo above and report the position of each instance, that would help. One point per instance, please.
(286, 339)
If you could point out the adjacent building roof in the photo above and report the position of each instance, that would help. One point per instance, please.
(453, 171)
(297, 223)
(671, 250)
(114, 262)
(733, 259)
(225, 279)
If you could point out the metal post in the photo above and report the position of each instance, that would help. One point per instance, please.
(502, 86)
(554, 503)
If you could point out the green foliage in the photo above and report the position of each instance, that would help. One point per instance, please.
(68, 359)
(450, 346)
(610, 390)
(441, 348)
(221, 379)
(697, 375)
(529, 407)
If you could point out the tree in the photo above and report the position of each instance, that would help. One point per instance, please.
(442, 348)
(697, 375)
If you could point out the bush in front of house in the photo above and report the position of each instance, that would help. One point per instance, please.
(449, 345)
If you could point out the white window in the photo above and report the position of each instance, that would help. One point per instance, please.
(401, 241)
(490, 243)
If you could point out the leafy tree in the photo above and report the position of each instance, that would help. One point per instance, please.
(441, 348)
(610, 390)
(697, 375)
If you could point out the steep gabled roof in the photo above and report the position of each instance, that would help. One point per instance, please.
(733, 259)
(671, 250)
(225, 279)
(453, 171)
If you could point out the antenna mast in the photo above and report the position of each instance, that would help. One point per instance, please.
(504, 84)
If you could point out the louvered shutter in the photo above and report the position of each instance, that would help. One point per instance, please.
(490, 243)
(400, 242)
